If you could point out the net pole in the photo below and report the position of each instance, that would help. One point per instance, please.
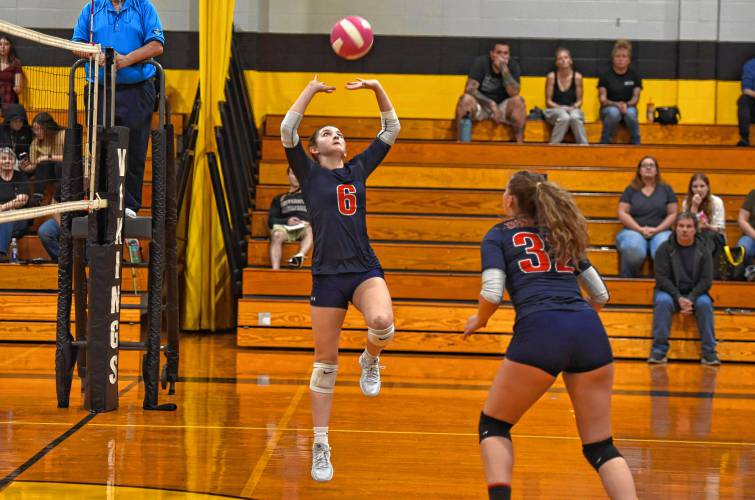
(105, 261)
(171, 267)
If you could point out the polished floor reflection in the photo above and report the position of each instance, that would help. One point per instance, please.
(243, 429)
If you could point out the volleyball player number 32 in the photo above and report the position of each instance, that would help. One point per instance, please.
(347, 199)
(539, 260)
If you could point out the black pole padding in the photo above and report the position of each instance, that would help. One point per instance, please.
(105, 262)
(80, 292)
(151, 365)
(65, 355)
(101, 392)
(225, 225)
(171, 267)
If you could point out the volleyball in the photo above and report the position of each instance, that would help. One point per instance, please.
(351, 37)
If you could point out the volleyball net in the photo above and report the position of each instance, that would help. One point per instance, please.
(73, 125)
(58, 136)
(51, 100)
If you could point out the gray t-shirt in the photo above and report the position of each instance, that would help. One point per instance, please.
(649, 210)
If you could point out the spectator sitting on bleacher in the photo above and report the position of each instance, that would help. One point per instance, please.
(563, 98)
(288, 221)
(746, 222)
(619, 91)
(14, 194)
(49, 235)
(11, 72)
(708, 208)
(746, 103)
(647, 209)
(492, 91)
(15, 132)
(46, 152)
(683, 276)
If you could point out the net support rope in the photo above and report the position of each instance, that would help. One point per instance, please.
(56, 208)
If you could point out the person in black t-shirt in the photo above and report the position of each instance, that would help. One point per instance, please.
(683, 276)
(563, 98)
(492, 91)
(619, 91)
(288, 221)
(344, 266)
(14, 194)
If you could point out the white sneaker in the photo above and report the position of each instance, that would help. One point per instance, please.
(369, 381)
(322, 469)
(130, 213)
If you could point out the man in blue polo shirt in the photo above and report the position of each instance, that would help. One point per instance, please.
(133, 29)
(746, 103)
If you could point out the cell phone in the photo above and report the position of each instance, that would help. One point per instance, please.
(23, 156)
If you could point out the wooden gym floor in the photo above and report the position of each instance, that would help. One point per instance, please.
(243, 429)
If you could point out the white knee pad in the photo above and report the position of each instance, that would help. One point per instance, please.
(323, 378)
(380, 338)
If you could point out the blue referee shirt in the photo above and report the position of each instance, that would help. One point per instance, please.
(135, 25)
(748, 75)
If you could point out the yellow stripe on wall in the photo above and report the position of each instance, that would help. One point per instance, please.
(435, 96)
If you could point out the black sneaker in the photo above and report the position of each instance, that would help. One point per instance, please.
(710, 360)
(657, 359)
(296, 262)
(743, 142)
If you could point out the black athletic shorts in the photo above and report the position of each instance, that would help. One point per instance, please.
(561, 341)
(337, 290)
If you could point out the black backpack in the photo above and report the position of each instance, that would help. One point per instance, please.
(667, 115)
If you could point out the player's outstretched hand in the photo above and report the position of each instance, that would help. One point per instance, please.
(471, 327)
(363, 84)
(317, 86)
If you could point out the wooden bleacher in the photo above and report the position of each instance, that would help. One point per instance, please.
(433, 199)
(28, 292)
(535, 131)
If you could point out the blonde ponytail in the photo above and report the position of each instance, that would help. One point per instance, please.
(553, 209)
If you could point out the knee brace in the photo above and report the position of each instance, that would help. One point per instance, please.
(323, 378)
(490, 427)
(380, 338)
(599, 453)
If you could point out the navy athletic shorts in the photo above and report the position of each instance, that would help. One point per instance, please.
(556, 341)
(337, 290)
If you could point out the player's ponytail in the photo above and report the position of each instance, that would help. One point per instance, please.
(553, 209)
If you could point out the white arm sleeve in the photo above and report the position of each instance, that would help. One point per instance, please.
(493, 280)
(391, 126)
(593, 283)
(290, 123)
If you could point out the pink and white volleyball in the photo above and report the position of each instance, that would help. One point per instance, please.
(351, 37)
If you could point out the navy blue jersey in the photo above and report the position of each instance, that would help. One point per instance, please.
(337, 204)
(535, 282)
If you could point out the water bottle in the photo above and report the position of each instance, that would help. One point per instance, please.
(465, 130)
(134, 251)
(13, 251)
(650, 112)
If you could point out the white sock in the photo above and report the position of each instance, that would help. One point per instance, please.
(369, 357)
(321, 435)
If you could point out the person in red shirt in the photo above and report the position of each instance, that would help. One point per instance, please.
(11, 75)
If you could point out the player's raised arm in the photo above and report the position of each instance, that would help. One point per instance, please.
(293, 117)
(388, 118)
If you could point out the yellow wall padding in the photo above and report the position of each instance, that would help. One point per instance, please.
(207, 301)
(435, 96)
